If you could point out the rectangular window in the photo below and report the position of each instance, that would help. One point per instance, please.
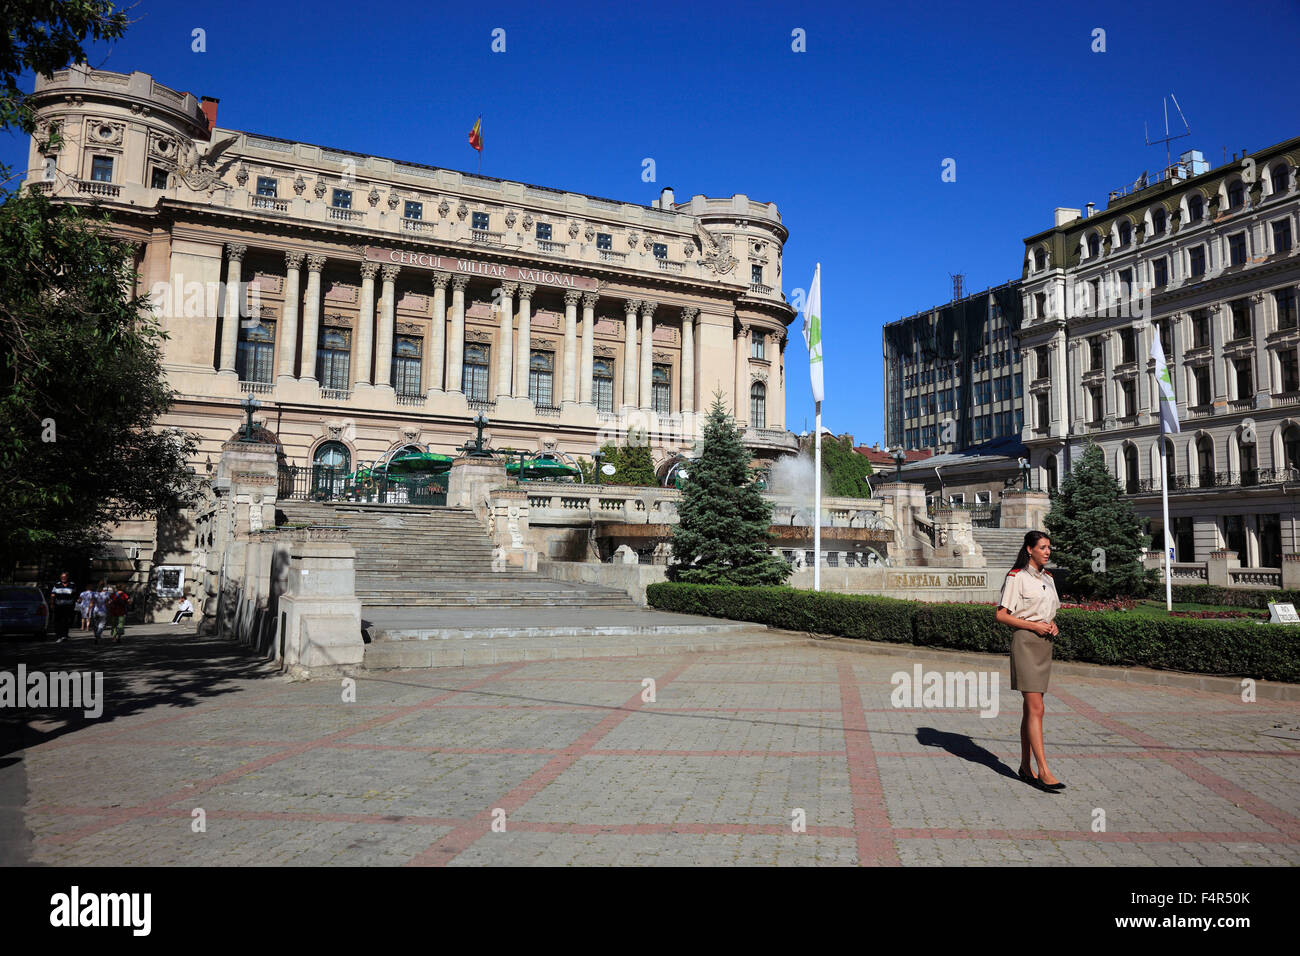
(1196, 261)
(101, 169)
(1094, 289)
(1125, 283)
(413, 210)
(1160, 273)
(602, 384)
(267, 186)
(1041, 422)
(1241, 325)
(158, 179)
(333, 358)
(1200, 328)
(342, 199)
(1237, 249)
(1040, 354)
(758, 346)
(661, 390)
(544, 231)
(1245, 387)
(1284, 300)
(1166, 339)
(1098, 408)
(256, 351)
(480, 220)
(407, 352)
(1290, 370)
(1201, 374)
(1129, 390)
(540, 390)
(660, 250)
(474, 373)
(1184, 540)
(1128, 345)
(1282, 235)
(1096, 358)
(1234, 535)
(756, 274)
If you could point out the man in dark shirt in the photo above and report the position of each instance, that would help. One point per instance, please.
(63, 600)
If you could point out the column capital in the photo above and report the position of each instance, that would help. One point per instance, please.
(648, 307)
(440, 279)
(293, 260)
(572, 296)
(458, 283)
(743, 332)
(508, 288)
(589, 299)
(235, 251)
(315, 262)
(689, 313)
(526, 290)
(369, 270)
(390, 272)
(631, 306)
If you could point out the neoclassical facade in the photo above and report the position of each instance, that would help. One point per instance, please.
(1207, 260)
(369, 303)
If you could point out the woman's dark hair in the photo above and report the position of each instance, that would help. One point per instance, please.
(1031, 539)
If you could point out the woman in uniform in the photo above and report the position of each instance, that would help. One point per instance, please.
(1028, 604)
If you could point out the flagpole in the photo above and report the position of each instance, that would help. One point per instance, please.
(1164, 504)
(817, 502)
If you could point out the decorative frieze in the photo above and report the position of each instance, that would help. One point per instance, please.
(341, 292)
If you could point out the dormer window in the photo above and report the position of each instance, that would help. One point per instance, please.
(1094, 245)
(1279, 178)
(1158, 222)
(1125, 234)
(1236, 195)
(1040, 260)
(1195, 208)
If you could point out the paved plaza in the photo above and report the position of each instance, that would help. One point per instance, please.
(755, 754)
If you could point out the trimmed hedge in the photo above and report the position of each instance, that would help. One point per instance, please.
(1235, 648)
(1228, 597)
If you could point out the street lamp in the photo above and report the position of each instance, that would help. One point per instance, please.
(899, 457)
(475, 448)
(1024, 473)
(596, 457)
(249, 405)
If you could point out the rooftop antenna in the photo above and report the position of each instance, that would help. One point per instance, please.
(957, 278)
(1169, 161)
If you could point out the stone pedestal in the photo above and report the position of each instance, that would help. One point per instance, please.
(319, 614)
(902, 503)
(471, 481)
(1219, 564)
(954, 543)
(507, 526)
(1025, 509)
(1291, 572)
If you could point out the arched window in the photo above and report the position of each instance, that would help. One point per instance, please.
(1040, 260)
(1094, 245)
(540, 389)
(1278, 176)
(330, 465)
(1205, 461)
(1125, 233)
(1158, 221)
(758, 405)
(1236, 195)
(474, 375)
(1291, 444)
(1195, 208)
(1050, 467)
(1130, 470)
(602, 384)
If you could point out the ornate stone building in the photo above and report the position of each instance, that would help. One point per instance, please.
(1206, 259)
(369, 303)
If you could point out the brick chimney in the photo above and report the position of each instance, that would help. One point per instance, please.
(209, 106)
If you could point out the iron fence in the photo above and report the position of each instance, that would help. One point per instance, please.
(323, 483)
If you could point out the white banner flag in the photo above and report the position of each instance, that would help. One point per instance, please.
(812, 335)
(1168, 404)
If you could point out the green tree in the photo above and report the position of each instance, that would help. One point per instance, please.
(724, 528)
(82, 386)
(1096, 535)
(844, 471)
(633, 465)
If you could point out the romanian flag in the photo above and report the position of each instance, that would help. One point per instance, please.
(476, 135)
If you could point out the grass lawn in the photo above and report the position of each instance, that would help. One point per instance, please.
(1157, 608)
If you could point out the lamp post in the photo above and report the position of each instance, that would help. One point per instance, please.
(1024, 473)
(899, 457)
(249, 405)
(476, 451)
(596, 456)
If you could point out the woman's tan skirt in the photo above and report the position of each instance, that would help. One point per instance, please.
(1031, 662)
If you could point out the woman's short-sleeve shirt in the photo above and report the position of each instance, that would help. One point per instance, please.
(1030, 595)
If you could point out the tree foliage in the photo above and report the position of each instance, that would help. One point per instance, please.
(1096, 535)
(724, 528)
(633, 465)
(81, 388)
(844, 471)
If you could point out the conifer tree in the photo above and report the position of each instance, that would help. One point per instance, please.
(724, 525)
(1096, 535)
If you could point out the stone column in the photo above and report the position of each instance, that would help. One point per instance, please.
(384, 336)
(1108, 398)
(588, 346)
(1263, 365)
(1218, 376)
(311, 317)
(741, 402)
(647, 352)
(571, 345)
(456, 344)
(1146, 402)
(365, 325)
(629, 352)
(688, 359)
(230, 320)
(1060, 395)
(506, 309)
(524, 351)
(1078, 394)
(289, 324)
(1178, 372)
(437, 332)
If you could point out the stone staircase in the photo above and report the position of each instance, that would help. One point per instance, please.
(412, 556)
(1001, 546)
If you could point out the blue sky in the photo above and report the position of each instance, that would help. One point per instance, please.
(848, 138)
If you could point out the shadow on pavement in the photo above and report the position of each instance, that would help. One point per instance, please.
(959, 745)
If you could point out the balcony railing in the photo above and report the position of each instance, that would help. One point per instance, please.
(344, 215)
(546, 245)
(269, 203)
(336, 394)
(481, 404)
(760, 288)
(96, 188)
(257, 388)
(547, 411)
(410, 398)
(1249, 478)
(416, 225)
(609, 255)
(484, 238)
(666, 266)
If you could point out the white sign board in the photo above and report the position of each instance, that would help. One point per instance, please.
(1282, 614)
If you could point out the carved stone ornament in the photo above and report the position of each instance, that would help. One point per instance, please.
(689, 249)
(663, 356)
(528, 220)
(511, 218)
(717, 252)
(104, 132)
(755, 376)
(462, 211)
(241, 174)
(162, 145)
(603, 351)
(408, 328)
(299, 185)
(574, 229)
(648, 244)
(444, 207)
(199, 170)
(590, 234)
(632, 238)
(319, 189)
(475, 335)
(334, 431)
(373, 197)
(410, 434)
(392, 199)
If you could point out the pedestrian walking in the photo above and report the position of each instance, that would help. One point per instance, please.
(63, 600)
(84, 603)
(1029, 603)
(99, 609)
(119, 602)
(184, 609)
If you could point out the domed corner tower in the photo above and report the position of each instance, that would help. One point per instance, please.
(742, 241)
(125, 138)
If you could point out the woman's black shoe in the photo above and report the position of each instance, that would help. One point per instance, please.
(1053, 787)
(1035, 782)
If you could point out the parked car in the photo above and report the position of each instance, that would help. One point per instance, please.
(23, 610)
